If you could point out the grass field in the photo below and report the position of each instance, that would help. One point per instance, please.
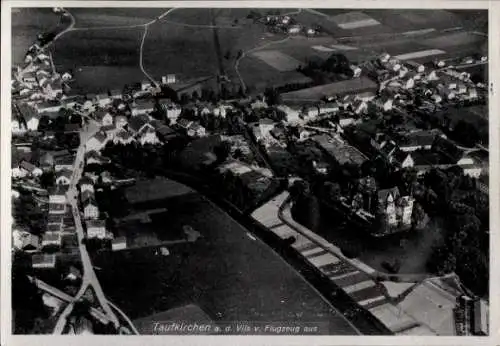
(92, 17)
(100, 59)
(278, 60)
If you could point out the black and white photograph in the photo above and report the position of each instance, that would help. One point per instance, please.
(251, 171)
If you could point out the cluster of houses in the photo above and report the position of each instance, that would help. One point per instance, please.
(45, 248)
(284, 23)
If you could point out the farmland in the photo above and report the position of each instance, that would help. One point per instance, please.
(109, 17)
(100, 59)
(27, 23)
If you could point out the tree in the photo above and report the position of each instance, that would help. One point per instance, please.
(332, 191)
(47, 179)
(222, 151)
(44, 123)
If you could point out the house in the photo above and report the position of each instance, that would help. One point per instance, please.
(96, 229)
(48, 107)
(103, 117)
(30, 169)
(415, 140)
(18, 127)
(417, 67)
(55, 208)
(93, 157)
(86, 184)
(472, 93)
(340, 152)
(384, 102)
(292, 115)
(25, 241)
(138, 122)
(146, 85)
(396, 209)
(321, 167)
(120, 121)
(329, 107)
(103, 100)
(408, 82)
(196, 130)
(57, 195)
(73, 274)
(90, 208)
(147, 135)
(115, 94)
(432, 76)
(31, 120)
(52, 240)
(63, 177)
(265, 126)
(123, 137)
(64, 162)
(55, 219)
(66, 76)
(436, 98)
(461, 88)
(142, 107)
(359, 106)
(96, 142)
(43, 261)
(294, 29)
(53, 89)
(184, 124)
(29, 78)
(480, 313)
(119, 243)
(384, 57)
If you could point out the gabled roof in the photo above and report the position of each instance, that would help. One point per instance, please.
(85, 180)
(89, 201)
(100, 136)
(95, 224)
(64, 173)
(27, 166)
(135, 123)
(384, 194)
(85, 195)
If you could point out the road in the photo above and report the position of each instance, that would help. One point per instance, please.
(89, 278)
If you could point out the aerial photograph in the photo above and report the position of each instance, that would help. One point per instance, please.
(249, 171)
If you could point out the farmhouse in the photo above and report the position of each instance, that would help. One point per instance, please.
(63, 177)
(104, 118)
(340, 152)
(30, 169)
(43, 261)
(86, 184)
(90, 208)
(96, 142)
(142, 107)
(57, 195)
(64, 162)
(147, 135)
(52, 240)
(96, 229)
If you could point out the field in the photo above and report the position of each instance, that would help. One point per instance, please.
(278, 60)
(27, 23)
(344, 87)
(92, 17)
(100, 59)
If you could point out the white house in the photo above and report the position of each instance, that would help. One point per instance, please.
(32, 121)
(105, 118)
(196, 130)
(63, 177)
(90, 209)
(120, 121)
(86, 184)
(66, 76)
(294, 29)
(384, 102)
(147, 135)
(18, 127)
(96, 229)
(103, 100)
(408, 82)
(57, 196)
(30, 169)
(266, 125)
(292, 115)
(96, 142)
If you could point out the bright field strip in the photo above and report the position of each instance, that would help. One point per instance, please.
(420, 54)
(278, 60)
